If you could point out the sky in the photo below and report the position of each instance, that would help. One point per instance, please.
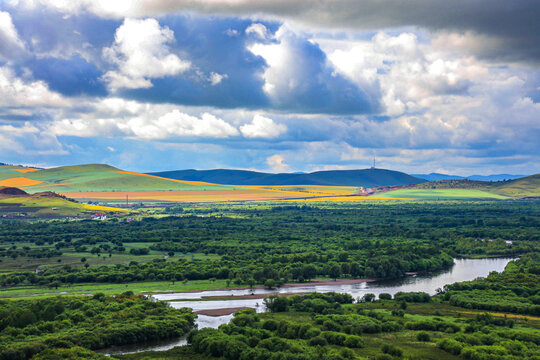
(282, 86)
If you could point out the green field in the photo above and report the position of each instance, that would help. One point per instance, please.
(98, 177)
(111, 289)
(441, 194)
(524, 187)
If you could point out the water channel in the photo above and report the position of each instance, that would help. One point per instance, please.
(463, 270)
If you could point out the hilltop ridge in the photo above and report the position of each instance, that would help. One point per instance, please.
(363, 177)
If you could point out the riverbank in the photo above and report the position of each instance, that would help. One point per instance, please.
(317, 282)
(150, 287)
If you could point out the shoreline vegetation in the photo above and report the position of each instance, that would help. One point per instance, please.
(332, 326)
(43, 264)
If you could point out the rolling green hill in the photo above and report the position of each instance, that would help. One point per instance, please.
(364, 177)
(15, 202)
(528, 186)
(92, 177)
(441, 194)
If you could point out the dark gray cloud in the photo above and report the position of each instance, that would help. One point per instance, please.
(512, 24)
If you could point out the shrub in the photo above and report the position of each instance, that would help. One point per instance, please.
(423, 336)
(353, 341)
(392, 350)
(317, 341)
(451, 346)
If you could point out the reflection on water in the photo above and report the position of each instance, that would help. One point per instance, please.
(463, 270)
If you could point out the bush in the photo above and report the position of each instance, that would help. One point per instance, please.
(385, 296)
(353, 341)
(317, 341)
(451, 346)
(392, 350)
(334, 338)
(423, 336)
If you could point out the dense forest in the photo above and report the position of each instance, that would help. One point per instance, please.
(409, 326)
(254, 244)
(30, 327)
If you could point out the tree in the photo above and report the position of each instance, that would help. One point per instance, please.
(270, 283)
(335, 271)
(368, 297)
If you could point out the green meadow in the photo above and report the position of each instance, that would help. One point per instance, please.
(441, 194)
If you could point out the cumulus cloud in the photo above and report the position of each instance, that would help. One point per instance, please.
(176, 123)
(169, 125)
(262, 127)
(17, 92)
(299, 78)
(515, 27)
(216, 78)
(277, 163)
(410, 74)
(10, 43)
(257, 29)
(141, 53)
(28, 140)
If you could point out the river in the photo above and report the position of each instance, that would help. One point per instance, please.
(463, 270)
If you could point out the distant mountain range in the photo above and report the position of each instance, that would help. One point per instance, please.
(364, 177)
(495, 177)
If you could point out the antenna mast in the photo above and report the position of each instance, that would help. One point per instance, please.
(373, 167)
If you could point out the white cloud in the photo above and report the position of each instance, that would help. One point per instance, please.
(16, 92)
(176, 123)
(28, 139)
(141, 53)
(145, 126)
(86, 127)
(262, 127)
(10, 43)
(412, 75)
(277, 163)
(216, 78)
(257, 29)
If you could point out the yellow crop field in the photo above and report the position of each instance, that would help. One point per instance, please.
(102, 208)
(343, 198)
(183, 196)
(196, 183)
(25, 170)
(19, 182)
(310, 190)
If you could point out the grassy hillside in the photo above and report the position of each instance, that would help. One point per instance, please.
(14, 202)
(519, 188)
(365, 177)
(524, 187)
(441, 194)
(93, 177)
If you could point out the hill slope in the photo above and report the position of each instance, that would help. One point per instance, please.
(14, 202)
(494, 177)
(365, 177)
(92, 177)
(528, 186)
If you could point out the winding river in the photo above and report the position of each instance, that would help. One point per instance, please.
(463, 270)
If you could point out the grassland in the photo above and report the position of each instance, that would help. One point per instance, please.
(440, 194)
(95, 177)
(524, 187)
(103, 183)
(43, 205)
(111, 289)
